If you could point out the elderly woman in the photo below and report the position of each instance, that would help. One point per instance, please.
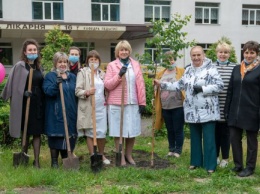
(243, 107)
(54, 123)
(201, 83)
(85, 92)
(134, 100)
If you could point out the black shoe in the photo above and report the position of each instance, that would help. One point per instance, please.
(237, 169)
(54, 163)
(246, 172)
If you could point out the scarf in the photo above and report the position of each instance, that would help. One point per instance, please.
(74, 67)
(245, 68)
(125, 61)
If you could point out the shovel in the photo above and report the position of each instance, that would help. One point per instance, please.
(96, 159)
(72, 162)
(119, 153)
(22, 157)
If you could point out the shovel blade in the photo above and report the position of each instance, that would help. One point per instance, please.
(118, 158)
(96, 162)
(71, 163)
(20, 158)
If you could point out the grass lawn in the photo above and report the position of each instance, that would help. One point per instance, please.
(174, 179)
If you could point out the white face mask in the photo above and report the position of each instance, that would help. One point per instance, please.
(95, 65)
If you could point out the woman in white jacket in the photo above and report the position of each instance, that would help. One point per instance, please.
(201, 83)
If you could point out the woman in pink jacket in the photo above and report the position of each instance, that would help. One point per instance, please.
(134, 98)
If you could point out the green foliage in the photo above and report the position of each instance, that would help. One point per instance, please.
(166, 35)
(149, 94)
(211, 53)
(55, 41)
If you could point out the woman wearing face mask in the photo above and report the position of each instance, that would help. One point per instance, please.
(243, 107)
(16, 89)
(74, 60)
(225, 68)
(134, 98)
(169, 107)
(85, 92)
(54, 123)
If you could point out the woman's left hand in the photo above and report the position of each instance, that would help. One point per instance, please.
(156, 82)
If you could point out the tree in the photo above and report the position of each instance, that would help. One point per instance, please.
(166, 35)
(211, 53)
(55, 40)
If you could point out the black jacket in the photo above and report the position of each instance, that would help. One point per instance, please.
(243, 100)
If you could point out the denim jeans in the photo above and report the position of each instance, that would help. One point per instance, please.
(174, 121)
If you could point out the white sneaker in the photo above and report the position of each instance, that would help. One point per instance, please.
(223, 163)
(106, 162)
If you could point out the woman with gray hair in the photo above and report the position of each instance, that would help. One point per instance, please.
(54, 123)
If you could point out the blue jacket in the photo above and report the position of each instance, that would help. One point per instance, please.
(54, 124)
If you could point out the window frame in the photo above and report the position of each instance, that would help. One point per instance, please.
(250, 9)
(109, 12)
(7, 45)
(207, 7)
(154, 5)
(52, 14)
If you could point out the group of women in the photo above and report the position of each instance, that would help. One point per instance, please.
(46, 112)
(221, 100)
(218, 100)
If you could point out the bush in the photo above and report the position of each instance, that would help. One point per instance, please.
(149, 95)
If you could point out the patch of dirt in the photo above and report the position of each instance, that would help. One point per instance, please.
(32, 190)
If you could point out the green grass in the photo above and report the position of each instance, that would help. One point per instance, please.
(174, 179)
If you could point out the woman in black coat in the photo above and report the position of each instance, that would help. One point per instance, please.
(242, 108)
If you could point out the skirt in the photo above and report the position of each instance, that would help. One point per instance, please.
(59, 143)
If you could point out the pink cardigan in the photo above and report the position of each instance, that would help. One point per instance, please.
(113, 83)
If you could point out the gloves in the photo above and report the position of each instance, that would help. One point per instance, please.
(27, 94)
(197, 89)
(122, 71)
(58, 80)
(141, 109)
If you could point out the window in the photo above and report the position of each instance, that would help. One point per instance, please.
(47, 9)
(206, 13)
(105, 10)
(6, 53)
(84, 47)
(157, 10)
(1, 9)
(251, 15)
(112, 51)
(205, 46)
(153, 51)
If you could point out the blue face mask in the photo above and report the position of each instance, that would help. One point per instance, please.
(248, 62)
(222, 62)
(31, 57)
(73, 59)
(172, 66)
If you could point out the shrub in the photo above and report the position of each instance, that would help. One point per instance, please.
(149, 95)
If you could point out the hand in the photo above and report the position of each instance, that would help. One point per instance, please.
(91, 91)
(27, 94)
(59, 79)
(156, 82)
(141, 109)
(197, 89)
(122, 71)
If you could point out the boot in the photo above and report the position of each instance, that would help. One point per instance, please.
(54, 163)
(54, 158)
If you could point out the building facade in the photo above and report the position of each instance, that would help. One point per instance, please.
(100, 24)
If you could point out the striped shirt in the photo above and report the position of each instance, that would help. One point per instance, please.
(225, 71)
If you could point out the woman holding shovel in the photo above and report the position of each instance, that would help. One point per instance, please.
(54, 122)
(85, 92)
(125, 74)
(17, 90)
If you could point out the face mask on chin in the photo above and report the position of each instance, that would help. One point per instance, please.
(171, 67)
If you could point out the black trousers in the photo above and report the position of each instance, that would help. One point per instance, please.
(237, 149)
(222, 139)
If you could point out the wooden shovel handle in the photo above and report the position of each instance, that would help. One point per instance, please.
(122, 110)
(93, 106)
(27, 109)
(64, 118)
